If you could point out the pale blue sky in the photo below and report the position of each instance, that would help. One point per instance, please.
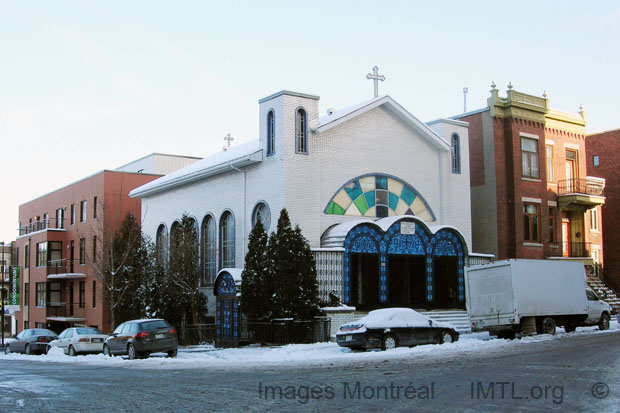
(86, 85)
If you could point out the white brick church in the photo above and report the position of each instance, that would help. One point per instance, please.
(382, 198)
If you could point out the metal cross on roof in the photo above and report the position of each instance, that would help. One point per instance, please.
(228, 138)
(376, 77)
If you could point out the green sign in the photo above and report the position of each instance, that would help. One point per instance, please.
(14, 285)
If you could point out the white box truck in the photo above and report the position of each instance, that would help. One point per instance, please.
(526, 296)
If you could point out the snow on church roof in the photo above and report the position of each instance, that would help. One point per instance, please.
(237, 156)
(327, 122)
(334, 237)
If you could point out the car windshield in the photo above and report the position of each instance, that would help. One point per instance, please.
(42, 332)
(88, 331)
(153, 325)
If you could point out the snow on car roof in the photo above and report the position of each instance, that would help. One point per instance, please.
(394, 317)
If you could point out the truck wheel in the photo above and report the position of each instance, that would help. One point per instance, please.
(603, 323)
(548, 326)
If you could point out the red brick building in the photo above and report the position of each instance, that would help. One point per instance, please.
(530, 193)
(603, 151)
(60, 239)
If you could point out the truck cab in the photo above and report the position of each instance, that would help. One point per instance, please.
(599, 311)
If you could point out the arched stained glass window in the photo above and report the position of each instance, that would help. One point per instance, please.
(456, 154)
(161, 245)
(207, 251)
(227, 240)
(301, 138)
(262, 213)
(379, 196)
(271, 138)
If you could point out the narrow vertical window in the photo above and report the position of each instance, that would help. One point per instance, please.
(208, 239)
(596, 160)
(60, 219)
(161, 245)
(72, 214)
(227, 240)
(26, 294)
(549, 153)
(82, 211)
(82, 294)
(531, 219)
(82, 251)
(271, 139)
(529, 157)
(94, 294)
(301, 138)
(95, 207)
(94, 249)
(552, 224)
(456, 154)
(26, 256)
(594, 219)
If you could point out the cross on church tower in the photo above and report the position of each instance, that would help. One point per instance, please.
(228, 139)
(376, 77)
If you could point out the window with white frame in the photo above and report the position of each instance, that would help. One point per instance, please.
(529, 157)
(594, 219)
(301, 138)
(549, 153)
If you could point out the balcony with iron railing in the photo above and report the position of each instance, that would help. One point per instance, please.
(61, 310)
(42, 225)
(569, 249)
(580, 194)
(65, 268)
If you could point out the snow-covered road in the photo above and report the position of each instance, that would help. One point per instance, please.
(300, 354)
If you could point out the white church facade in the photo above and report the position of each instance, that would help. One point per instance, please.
(382, 198)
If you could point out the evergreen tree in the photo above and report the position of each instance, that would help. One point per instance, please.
(293, 270)
(183, 281)
(256, 291)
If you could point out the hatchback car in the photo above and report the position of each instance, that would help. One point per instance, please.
(76, 340)
(392, 327)
(30, 341)
(140, 338)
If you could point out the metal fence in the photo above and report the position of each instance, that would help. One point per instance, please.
(285, 331)
(197, 334)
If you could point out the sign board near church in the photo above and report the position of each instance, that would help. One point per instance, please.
(407, 228)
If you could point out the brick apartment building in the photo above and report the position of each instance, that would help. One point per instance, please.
(603, 151)
(530, 193)
(60, 238)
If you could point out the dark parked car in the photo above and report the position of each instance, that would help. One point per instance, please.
(140, 338)
(392, 327)
(30, 341)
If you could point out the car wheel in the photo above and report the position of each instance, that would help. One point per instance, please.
(7, 349)
(172, 353)
(603, 324)
(548, 326)
(388, 342)
(27, 350)
(445, 337)
(72, 351)
(131, 352)
(106, 351)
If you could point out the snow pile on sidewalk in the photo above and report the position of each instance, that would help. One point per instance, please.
(298, 354)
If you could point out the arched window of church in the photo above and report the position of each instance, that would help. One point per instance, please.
(207, 249)
(262, 213)
(271, 134)
(175, 233)
(161, 245)
(456, 154)
(227, 240)
(301, 135)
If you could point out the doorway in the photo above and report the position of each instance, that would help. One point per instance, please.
(407, 281)
(446, 282)
(364, 280)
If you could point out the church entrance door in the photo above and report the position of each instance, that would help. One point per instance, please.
(364, 280)
(446, 282)
(407, 281)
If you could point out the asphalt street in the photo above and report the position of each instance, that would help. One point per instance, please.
(574, 373)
